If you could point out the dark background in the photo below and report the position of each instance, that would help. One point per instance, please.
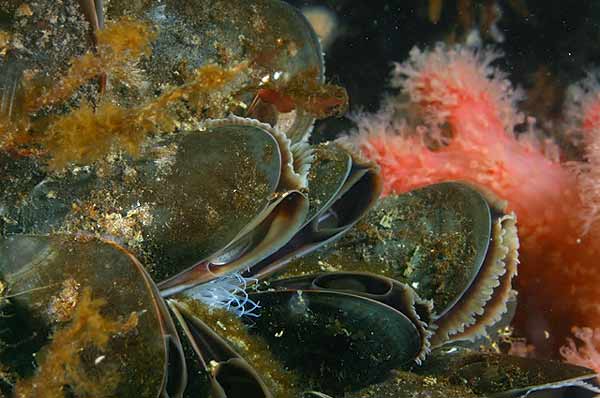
(548, 45)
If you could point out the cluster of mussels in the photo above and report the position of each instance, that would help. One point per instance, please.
(151, 150)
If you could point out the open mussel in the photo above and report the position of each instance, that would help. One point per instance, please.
(446, 242)
(81, 316)
(450, 371)
(342, 188)
(379, 288)
(226, 193)
(481, 303)
(229, 375)
(441, 256)
(264, 219)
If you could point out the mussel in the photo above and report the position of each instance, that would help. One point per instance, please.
(229, 375)
(107, 267)
(364, 339)
(342, 187)
(481, 262)
(224, 193)
(447, 243)
(81, 315)
(272, 38)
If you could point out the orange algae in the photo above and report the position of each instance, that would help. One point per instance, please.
(85, 135)
(7, 132)
(14, 136)
(121, 44)
(319, 100)
(60, 362)
(467, 109)
(5, 39)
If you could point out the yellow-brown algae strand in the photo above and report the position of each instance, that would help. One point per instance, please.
(84, 135)
(119, 45)
(61, 361)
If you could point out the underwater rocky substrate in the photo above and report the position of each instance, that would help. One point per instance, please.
(168, 229)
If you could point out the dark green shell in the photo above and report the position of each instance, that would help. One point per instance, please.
(336, 341)
(37, 272)
(271, 36)
(172, 210)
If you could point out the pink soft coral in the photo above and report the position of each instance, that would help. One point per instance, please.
(455, 120)
(587, 354)
(583, 112)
